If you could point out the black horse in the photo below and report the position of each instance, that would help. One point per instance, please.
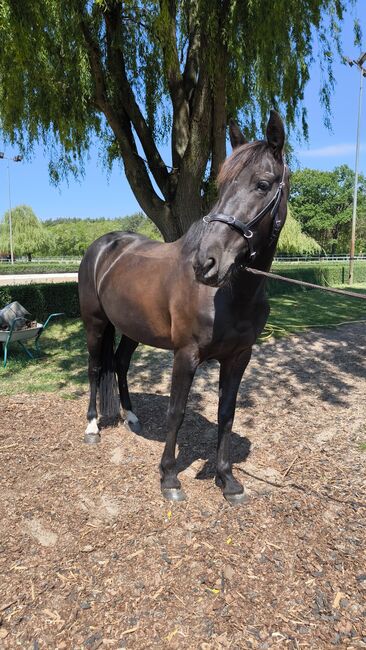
(192, 296)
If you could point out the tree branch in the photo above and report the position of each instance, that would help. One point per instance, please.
(219, 112)
(135, 168)
(190, 74)
(195, 159)
(181, 117)
(125, 97)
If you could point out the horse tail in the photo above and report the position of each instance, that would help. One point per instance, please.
(108, 398)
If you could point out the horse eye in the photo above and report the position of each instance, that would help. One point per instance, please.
(263, 185)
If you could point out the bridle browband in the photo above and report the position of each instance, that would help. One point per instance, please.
(245, 229)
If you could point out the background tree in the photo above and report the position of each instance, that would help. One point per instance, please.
(293, 241)
(322, 202)
(29, 234)
(73, 236)
(135, 73)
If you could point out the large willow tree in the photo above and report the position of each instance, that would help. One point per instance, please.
(134, 73)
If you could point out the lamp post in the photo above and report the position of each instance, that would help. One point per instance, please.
(359, 63)
(17, 158)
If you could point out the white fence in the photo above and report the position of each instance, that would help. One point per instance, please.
(38, 260)
(278, 258)
(317, 258)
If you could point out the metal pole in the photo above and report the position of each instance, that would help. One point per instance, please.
(354, 211)
(10, 223)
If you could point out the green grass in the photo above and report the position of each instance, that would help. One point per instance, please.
(311, 309)
(62, 367)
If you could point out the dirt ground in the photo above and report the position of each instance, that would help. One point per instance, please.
(91, 556)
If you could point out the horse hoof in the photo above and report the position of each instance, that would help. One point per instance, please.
(91, 438)
(135, 427)
(173, 494)
(236, 499)
(131, 421)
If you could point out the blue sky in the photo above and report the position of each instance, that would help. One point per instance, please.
(100, 194)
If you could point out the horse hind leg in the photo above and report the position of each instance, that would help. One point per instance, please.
(123, 356)
(94, 337)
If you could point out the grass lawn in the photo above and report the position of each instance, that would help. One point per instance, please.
(62, 366)
(310, 309)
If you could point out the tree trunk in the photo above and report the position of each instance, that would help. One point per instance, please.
(179, 201)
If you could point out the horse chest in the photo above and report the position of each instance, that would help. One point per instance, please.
(229, 339)
(240, 334)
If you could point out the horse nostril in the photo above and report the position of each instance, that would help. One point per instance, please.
(209, 267)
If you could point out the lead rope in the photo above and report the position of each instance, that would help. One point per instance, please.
(301, 283)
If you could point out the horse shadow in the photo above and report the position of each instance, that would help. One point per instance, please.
(197, 437)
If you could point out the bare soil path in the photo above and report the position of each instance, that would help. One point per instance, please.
(36, 278)
(91, 556)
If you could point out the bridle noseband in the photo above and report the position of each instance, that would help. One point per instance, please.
(245, 229)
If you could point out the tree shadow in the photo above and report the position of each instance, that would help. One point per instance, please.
(197, 437)
(321, 362)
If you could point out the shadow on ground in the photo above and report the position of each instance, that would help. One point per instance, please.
(197, 438)
(321, 360)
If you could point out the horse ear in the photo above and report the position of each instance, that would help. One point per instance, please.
(275, 134)
(236, 136)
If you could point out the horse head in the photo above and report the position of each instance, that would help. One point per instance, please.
(251, 207)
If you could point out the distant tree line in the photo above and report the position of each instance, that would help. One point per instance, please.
(322, 202)
(63, 236)
(319, 220)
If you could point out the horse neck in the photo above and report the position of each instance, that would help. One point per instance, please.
(246, 285)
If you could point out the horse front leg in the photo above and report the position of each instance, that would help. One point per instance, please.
(184, 368)
(231, 373)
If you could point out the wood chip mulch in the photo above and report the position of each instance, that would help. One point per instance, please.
(91, 556)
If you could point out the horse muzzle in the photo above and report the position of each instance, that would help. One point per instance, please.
(210, 272)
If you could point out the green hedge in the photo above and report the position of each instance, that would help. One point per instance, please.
(38, 267)
(44, 299)
(324, 273)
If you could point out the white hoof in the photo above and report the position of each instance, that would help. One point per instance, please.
(131, 421)
(92, 427)
(130, 417)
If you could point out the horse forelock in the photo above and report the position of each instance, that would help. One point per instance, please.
(193, 236)
(241, 157)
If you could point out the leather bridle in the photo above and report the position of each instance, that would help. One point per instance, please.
(246, 229)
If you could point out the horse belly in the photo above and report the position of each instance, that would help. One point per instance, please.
(141, 319)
